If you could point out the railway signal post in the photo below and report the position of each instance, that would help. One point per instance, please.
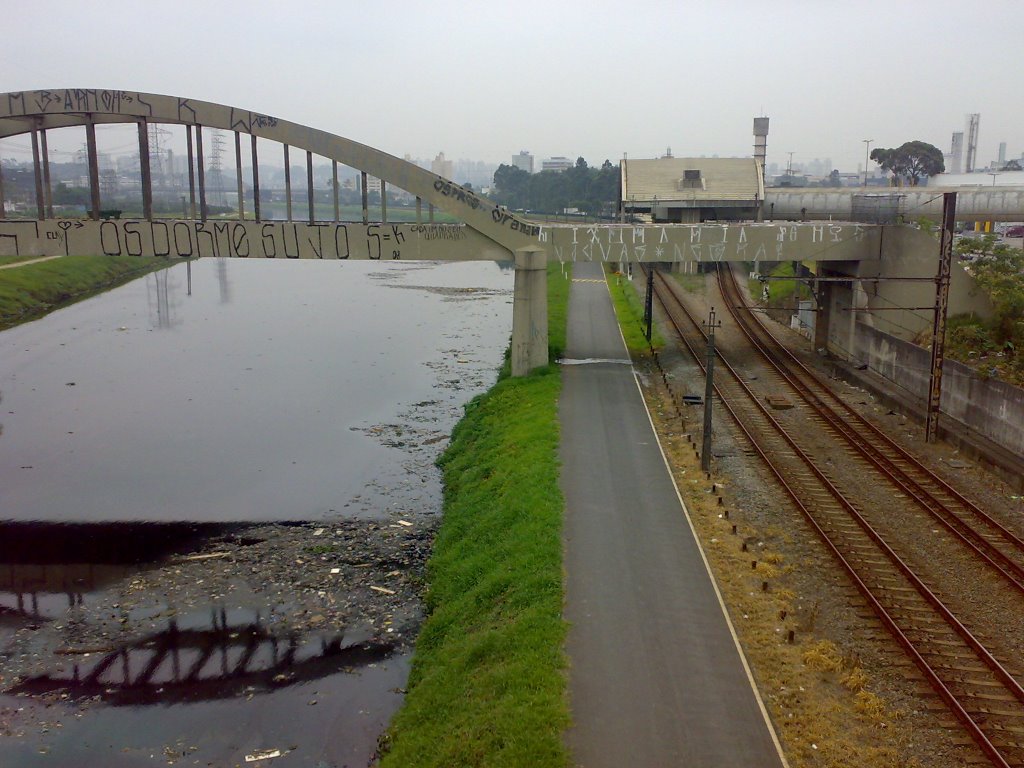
(709, 388)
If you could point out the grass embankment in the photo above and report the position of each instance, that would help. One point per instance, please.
(32, 290)
(488, 680)
(629, 309)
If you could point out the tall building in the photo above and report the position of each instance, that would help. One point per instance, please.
(972, 141)
(442, 167)
(1002, 154)
(523, 161)
(956, 153)
(556, 164)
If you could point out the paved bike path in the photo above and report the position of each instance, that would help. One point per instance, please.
(655, 678)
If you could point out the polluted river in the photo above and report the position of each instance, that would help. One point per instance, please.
(217, 497)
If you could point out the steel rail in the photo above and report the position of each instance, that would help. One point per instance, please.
(903, 455)
(951, 699)
(789, 369)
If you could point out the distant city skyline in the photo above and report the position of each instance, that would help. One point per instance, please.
(592, 79)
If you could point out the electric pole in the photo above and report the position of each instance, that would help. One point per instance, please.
(939, 319)
(649, 302)
(709, 389)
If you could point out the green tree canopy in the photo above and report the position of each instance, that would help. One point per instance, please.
(513, 186)
(912, 161)
(592, 190)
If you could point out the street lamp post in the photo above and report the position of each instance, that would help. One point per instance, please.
(867, 147)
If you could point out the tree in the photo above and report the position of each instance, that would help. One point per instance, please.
(591, 189)
(832, 180)
(512, 185)
(999, 269)
(912, 161)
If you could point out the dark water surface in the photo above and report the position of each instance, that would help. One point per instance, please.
(205, 481)
(249, 399)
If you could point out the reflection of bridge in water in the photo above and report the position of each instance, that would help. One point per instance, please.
(222, 659)
(46, 568)
(22, 585)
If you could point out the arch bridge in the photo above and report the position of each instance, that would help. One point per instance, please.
(484, 231)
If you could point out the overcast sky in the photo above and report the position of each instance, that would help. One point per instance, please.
(482, 80)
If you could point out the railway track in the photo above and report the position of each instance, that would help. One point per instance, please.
(984, 695)
(962, 518)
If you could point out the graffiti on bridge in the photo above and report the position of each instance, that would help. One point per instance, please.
(236, 239)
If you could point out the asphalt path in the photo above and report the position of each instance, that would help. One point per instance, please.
(656, 676)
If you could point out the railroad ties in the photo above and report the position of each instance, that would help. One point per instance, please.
(926, 613)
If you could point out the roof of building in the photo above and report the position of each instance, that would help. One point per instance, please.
(721, 178)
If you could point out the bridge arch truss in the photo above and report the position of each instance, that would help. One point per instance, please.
(35, 112)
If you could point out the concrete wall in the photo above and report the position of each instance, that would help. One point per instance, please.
(992, 408)
(900, 307)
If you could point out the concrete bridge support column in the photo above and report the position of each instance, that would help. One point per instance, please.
(858, 302)
(824, 315)
(530, 311)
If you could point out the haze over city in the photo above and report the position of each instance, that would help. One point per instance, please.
(592, 79)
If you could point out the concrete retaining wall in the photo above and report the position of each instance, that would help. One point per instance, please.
(992, 408)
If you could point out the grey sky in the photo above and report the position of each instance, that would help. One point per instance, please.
(483, 80)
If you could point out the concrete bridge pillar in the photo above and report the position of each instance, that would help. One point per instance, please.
(823, 319)
(530, 311)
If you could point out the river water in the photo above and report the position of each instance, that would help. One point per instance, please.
(278, 418)
(248, 399)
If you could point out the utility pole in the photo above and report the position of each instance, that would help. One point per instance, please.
(649, 302)
(709, 389)
(939, 320)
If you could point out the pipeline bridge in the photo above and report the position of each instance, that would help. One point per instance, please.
(866, 261)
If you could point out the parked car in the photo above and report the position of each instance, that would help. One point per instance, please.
(1014, 232)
